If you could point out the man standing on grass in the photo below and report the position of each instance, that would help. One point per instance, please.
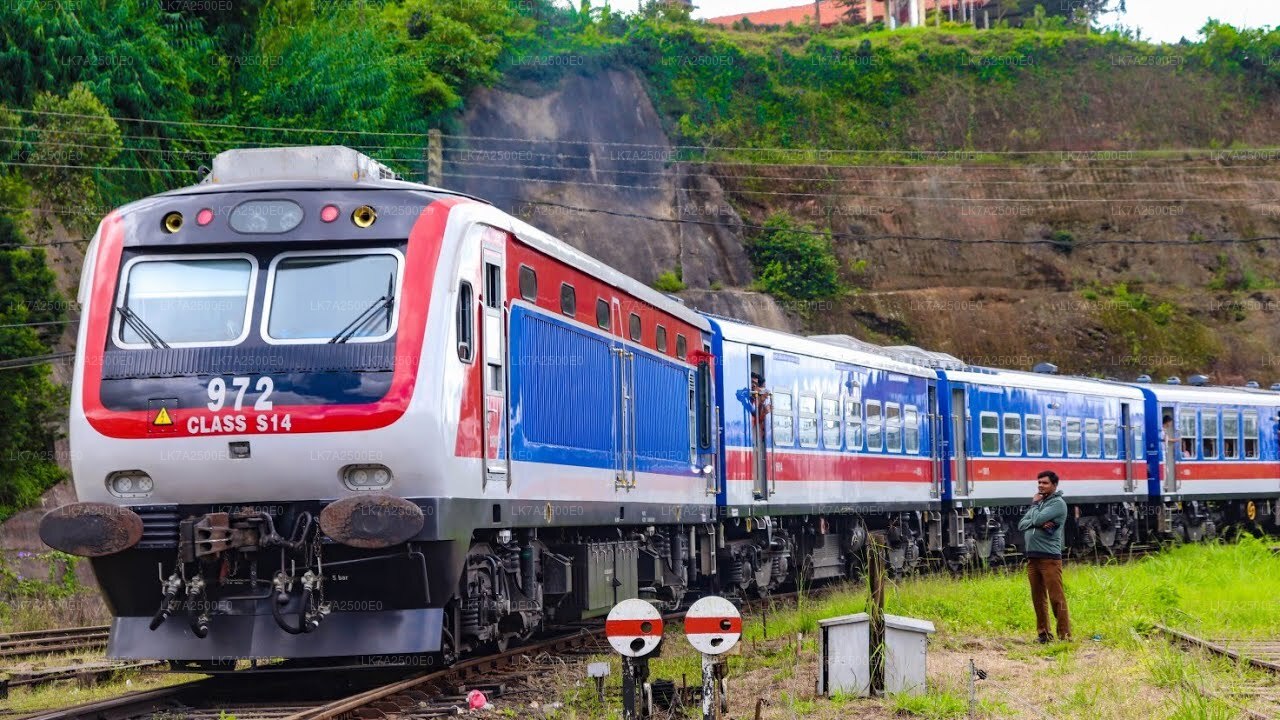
(1043, 524)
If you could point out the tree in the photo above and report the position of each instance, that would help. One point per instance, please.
(854, 11)
(61, 158)
(794, 261)
(31, 406)
(1082, 12)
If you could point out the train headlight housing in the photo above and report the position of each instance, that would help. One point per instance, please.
(130, 484)
(366, 477)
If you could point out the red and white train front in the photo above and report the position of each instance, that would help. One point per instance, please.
(254, 398)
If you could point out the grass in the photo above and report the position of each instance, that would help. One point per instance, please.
(79, 610)
(62, 695)
(1219, 590)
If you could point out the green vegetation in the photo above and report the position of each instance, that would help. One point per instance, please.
(31, 406)
(1214, 589)
(794, 261)
(1150, 335)
(669, 281)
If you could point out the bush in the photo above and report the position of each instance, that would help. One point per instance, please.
(669, 282)
(795, 261)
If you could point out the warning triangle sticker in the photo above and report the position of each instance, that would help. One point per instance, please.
(162, 418)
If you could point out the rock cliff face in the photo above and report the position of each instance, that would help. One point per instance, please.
(597, 143)
(1130, 268)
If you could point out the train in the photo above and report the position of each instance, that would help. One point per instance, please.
(320, 412)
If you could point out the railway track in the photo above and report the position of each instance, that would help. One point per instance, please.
(431, 694)
(1263, 698)
(36, 642)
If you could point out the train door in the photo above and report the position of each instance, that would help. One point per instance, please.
(758, 425)
(494, 352)
(935, 442)
(1129, 449)
(624, 372)
(1170, 440)
(960, 433)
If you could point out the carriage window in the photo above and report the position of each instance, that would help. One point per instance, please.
(874, 426)
(1092, 440)
(635, 327)
(1110, 439)
(1012, 434)
(568, 300)
(912, 418)
(492, 285)
(853, 425)
(783, 422)
(528, 284)
(1187, 431)
(1075, 447)
(831, 423)
(682, 346)
(316, 297)
(1250, 435)
(1230, 435)
(185, 301)
(602, 314)
(808, 421)
(1053, 436)
(661, 338)
(1035, 436)
(893, 427)
(1136, 451)
(466, 323)
(989, 424)
(1209, 433)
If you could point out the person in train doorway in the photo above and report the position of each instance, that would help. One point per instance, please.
(1043, 523)
(757, 402)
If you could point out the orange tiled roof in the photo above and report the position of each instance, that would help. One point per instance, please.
(799, 15)
(832, 13)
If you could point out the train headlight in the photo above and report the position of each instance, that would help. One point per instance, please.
(366, 477)
(130, 484)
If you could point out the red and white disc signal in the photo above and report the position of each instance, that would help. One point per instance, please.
(713, 625)
(634, 628)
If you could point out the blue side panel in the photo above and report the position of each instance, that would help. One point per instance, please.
(564, 398)
(718, 352)
(662, 411)
(1151, 431)
(562, 392)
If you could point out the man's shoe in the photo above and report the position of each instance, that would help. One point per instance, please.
(1045, 638)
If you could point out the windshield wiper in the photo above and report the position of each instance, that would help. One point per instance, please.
(141, 327)
(387, 302)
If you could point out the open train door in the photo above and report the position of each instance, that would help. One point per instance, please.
(961, 484)
(758, 427)
(1131, 449)
(1171, 440)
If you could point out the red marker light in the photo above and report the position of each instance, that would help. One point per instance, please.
(329, 213)
(204, 217)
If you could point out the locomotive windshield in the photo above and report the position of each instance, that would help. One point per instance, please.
(170, 301)
(332, 297)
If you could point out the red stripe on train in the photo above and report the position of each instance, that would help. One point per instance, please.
(830, 467)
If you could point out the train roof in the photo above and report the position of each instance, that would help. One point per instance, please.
(1043, 381)
(548, 244)
(1212, 394)
(336, 167)
(736, 331)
